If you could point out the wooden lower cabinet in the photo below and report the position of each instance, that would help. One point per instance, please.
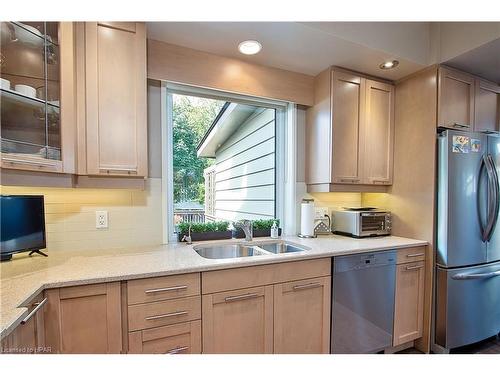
(182, 338)
(239, 321)
(84, 319)
(302, 317)
(409, 303)
(29, 336)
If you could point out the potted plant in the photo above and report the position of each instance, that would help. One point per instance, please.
(215, 230)
(261, 228)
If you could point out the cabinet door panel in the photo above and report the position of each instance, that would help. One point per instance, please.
(455, 99)
(348, 111)
(240, 321)
(409, 304)
(487, 107)
(116, 100)
(302, 317)
(379, 133)
(84, 319)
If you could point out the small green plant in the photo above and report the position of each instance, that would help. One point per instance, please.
(264, 224)
(214, 226)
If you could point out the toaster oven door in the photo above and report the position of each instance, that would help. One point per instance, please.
(374, 224)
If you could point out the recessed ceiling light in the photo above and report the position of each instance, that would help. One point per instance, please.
(389, 64)
(250, 47)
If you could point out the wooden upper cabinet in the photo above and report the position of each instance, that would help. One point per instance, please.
(238, 322)
(348, 112)
(379, 133)
(115, 95)
(409, 302)
(455, 99)
(350, 129)
(487, 107)
(302, 317)
(84, 319)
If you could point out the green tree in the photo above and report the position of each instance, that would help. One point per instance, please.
(192, 117)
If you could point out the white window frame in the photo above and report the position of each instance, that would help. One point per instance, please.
(285, 152)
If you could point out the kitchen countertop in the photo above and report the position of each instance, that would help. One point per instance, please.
(23, 278)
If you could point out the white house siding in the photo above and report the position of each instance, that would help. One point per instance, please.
(245, 170)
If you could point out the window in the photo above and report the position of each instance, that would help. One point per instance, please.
(224, 158)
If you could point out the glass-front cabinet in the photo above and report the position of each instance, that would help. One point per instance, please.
(30, 95)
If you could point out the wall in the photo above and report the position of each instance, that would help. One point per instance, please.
(245, 170)
(134, 216)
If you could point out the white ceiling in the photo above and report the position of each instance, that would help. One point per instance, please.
(309, 47)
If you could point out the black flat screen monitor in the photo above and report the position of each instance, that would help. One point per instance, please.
(22, 224)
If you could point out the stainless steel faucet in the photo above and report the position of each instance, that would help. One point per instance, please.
(247, 227)
(187, 238)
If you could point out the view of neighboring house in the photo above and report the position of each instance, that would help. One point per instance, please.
(241, 183)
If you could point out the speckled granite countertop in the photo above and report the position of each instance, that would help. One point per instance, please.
(25, 277)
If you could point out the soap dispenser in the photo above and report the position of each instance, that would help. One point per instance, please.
(274, 230)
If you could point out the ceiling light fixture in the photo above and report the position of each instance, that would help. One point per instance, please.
(250, 47)
(389, 64)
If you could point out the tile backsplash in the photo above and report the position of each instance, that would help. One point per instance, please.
(134, 216)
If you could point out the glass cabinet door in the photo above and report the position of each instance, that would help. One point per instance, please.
(30, 90)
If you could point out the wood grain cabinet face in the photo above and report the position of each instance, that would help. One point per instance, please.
(379, 133)
(115, 78)
(302, 317)
(348, 124)
(238, 322)
(487, 107)
(84, 319)
(409, 302)
(183, 338)
(356, 115)
(455, 99)
(28, 337)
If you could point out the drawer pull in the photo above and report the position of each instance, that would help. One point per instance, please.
(169, 289)
(169, 315)
(241, 297)
(380, 181)
(306, 286)
(411, 268)
(178, 350)
(415, 255)
(38, 306)
(351, 180)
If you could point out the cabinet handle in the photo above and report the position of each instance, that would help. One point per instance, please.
(380, 181)
(306, 286)
(118, 170)
(28, 162)
(169, 289)
(169, 315)
(38, 306)
(241, 297)
(411, 268)
(177, 350)
(415, 255)
(458, 125)
(349, 180)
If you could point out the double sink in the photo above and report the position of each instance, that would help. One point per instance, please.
(246, 249)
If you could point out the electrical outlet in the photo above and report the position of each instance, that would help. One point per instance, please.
(320, 212)
(101, 219)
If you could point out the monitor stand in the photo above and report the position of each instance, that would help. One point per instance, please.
(38, 252)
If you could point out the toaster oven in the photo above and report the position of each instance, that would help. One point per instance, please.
(362, 223)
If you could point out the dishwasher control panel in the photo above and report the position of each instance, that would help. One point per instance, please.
(362, 261)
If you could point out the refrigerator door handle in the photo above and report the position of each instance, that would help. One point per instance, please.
(482, 226)
(471, 276)
(495, 200)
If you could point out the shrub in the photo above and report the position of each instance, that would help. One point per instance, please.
(214, 226)
(264, 224)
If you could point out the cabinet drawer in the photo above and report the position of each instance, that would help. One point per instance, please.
(182, 338)
(157, 314)
(413, 254)
(163, 288)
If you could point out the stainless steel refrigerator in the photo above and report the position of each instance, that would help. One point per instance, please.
(468, 239)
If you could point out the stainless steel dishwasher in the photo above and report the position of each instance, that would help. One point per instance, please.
(363, 302)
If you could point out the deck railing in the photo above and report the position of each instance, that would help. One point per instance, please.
(192, 216)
